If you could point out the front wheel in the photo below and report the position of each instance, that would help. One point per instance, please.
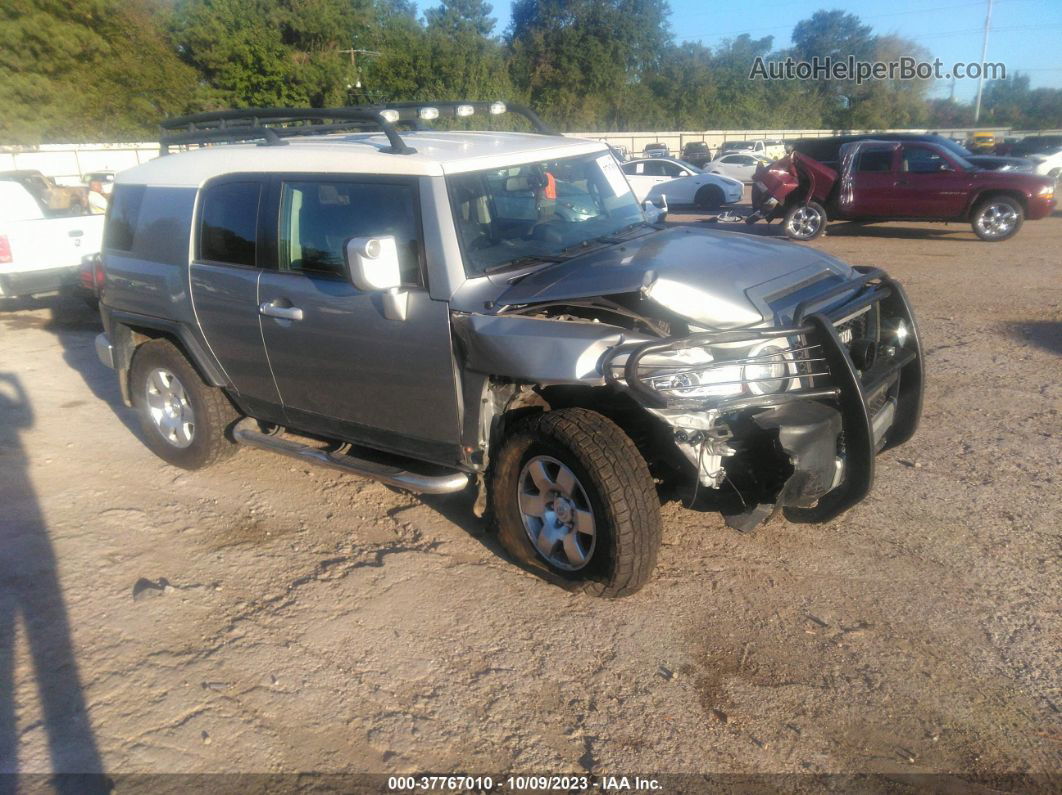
(997, 218)
(573, 498)
(804, 221)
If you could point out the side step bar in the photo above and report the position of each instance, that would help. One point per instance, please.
(246, 432)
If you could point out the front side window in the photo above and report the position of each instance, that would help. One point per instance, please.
(317, 218)
(919, 160)
(539, 209)
(875, 160)
(229, 223)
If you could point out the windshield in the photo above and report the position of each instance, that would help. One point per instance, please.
(508, 215)
(956, 150)
(690, 166)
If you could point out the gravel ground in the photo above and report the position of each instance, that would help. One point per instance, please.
(315, 621)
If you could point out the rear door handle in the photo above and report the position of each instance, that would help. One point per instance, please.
(270, 309)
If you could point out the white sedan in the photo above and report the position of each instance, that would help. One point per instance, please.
(680, 182)
(736, 166)
(1048, 163)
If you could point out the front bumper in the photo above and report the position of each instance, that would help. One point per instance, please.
(864, 410)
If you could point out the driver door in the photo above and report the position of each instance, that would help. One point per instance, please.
(930, 185)
(342, 367)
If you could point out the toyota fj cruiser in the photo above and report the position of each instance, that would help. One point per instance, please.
(493, 310)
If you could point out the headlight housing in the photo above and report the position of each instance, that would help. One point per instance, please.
(768, 369)
(692, 373)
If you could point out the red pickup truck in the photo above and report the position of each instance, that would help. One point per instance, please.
(897, 181)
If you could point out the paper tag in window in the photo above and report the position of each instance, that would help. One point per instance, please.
(616, 181)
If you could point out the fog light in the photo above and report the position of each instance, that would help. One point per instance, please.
(389, 116)
(464, 110)
(427, 114)
(497, 108)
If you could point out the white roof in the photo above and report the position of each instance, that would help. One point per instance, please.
(438, 153)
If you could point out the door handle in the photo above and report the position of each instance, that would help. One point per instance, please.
(270, 309)
(75, 233)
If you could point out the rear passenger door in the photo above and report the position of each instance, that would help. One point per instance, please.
(342, 366)
(224, 286)
(873, 184)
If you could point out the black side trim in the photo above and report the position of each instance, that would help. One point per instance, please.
(201, 359)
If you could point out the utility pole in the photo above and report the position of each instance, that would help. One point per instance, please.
(354, 77)
(984, 54)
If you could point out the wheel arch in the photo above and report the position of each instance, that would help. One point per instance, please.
(1021, 198)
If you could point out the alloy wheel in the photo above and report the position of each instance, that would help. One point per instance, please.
(997, 220)
(556, 513)
(169, 408)
(804, 222)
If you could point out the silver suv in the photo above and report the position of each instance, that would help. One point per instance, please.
(484, 310)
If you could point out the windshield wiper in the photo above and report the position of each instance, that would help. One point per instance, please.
(529, 259)
(626, 233)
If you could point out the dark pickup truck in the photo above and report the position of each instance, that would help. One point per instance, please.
(897, 181)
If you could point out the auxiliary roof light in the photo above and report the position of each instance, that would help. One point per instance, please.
(427, 114)
(497, 108)
(390, 116)
(464, 110)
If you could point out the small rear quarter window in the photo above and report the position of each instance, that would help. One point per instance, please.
(122, 215)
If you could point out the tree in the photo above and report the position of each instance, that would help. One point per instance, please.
(461, 16)
(87, 70)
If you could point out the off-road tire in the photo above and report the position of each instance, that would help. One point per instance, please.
(213, 412)
(617, 483)
(991, 202)
(709, 197)
(788, 224)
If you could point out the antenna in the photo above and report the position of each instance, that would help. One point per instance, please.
(984, 54)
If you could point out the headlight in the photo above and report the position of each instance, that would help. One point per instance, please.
(768, 369)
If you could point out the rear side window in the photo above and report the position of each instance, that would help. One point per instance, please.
(122, 216)
(228, 227)
(875, 160)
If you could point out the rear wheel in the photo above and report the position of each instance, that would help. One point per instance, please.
(184, 419)
(997, 218)
(804, 221)
(709, 197)
(573, 499)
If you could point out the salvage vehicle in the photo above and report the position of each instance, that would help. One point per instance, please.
(1049, 162)
(41, 254)
(893, 181)
(53, 198)
(826, 150)
(737, 166)
(697, 153)
(681, 183)
(981, 142)
(769, 148)
(656, 150)
(399, 306)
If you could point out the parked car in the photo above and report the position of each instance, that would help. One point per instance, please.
(825, 150)
(894, 181)
(656, 150)
(368, 289)
(619, 151)
(54, 199)
(697, 153)
(1048, 162)
(981, 142)
(737, 166)
(1036, 145)
(770, 148)
(39, 254)
(681, 183)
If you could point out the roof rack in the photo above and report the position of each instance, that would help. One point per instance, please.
(271, 126)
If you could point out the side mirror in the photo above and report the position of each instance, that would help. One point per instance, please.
(655, 210)
(372, 263)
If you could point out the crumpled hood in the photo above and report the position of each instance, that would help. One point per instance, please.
(706, 276)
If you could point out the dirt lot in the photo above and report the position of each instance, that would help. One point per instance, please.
(314, 621)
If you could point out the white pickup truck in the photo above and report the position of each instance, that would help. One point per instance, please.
(39, 254)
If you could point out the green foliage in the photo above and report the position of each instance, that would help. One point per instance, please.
(109, 69)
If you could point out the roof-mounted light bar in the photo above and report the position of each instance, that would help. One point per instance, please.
(271, 126)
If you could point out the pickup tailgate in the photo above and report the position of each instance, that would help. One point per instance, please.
(46, 243)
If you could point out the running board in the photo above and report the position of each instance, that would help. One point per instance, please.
(246, 432)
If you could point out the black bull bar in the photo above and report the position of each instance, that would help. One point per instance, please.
(848, 388)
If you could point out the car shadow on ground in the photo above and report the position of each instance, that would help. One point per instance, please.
(31, 596)
(1042, 334)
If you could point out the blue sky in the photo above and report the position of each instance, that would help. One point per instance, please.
(1026, 35)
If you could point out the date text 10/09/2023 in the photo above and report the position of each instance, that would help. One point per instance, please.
(464, 783)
